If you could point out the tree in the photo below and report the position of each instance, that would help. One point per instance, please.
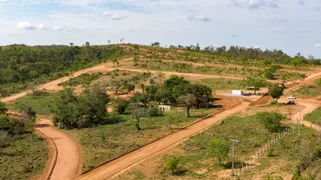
(257, 83)
(141, 98)
(28, 114)
(276, 91)
(137, 113)
(129, 87)
(188, 101)
(3, 108)
(270, 120)
(219, 148)
(122, 106)
(116, 86)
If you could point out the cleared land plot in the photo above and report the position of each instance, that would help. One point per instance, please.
(196, 163)
(107, 142)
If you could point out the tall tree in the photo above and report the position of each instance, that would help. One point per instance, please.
(219, 148)
(257, 83)
(276, 91)
(188, 101)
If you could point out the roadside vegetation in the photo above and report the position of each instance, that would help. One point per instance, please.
(314, 117)
(22, 153)
(308, 90)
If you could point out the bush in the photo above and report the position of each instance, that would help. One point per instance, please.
(171, 164)
(271, 120)
(270, 153)
(122, 106)
(154, 111)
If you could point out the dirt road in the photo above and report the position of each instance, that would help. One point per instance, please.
(123, 163)
(225, 65)
(66, 161)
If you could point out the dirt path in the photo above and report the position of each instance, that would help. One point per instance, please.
(54, 85)
(123, 163)
(226, 65)
(65, 162)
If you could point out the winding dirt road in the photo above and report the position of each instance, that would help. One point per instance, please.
(65, 160)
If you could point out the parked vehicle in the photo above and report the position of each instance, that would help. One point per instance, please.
(291, 97)
(247, 94)
(291, 103)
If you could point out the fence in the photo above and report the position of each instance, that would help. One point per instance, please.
(238, 172)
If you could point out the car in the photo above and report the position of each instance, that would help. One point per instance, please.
(291, 103)
(291, 97)
(246, 94)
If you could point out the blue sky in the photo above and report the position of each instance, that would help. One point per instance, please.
(291, 25)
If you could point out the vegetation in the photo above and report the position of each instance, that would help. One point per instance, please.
(122, 137)
(271, 120)
(314, 117)
(257, 83)
(219, 148)
(82, 111)
(310, 90)
(221, 84)
(171, 164)
(23, 154)
(84, 80)
(22, 66)
(276, 91)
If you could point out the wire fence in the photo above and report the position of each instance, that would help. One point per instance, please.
(244, 167)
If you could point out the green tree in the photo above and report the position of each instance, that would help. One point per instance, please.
(257, 83)
(219, 148)
(276, 91)
(129, 87)
(3, 108)
(270, 120)
(28, 114)
(188, 101)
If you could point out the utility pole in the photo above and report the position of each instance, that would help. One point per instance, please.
(233, 154)
(299, 120)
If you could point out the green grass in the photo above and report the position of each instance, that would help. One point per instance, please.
(41, 104)
(26, 157)
(106, 142)
(250, 133)
(221, 84)
(287, 154)
(314, 117)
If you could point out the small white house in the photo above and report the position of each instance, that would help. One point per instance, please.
(164, 107)
(237, 92)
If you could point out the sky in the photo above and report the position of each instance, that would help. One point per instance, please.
(290, 25)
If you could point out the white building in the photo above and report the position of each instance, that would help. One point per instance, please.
(164, 107)
(237, 92)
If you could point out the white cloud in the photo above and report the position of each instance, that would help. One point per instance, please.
(58, 28)
(25, 25)
(255, 4)
(199, 17)
(114, 16)
(317, 45)
(42, 27)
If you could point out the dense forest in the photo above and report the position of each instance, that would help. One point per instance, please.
(22, 65)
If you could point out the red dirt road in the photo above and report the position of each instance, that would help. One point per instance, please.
(66, 161)
(123, 163)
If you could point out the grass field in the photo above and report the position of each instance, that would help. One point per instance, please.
(26, 157)
(287, 154)
(106, 142)
(195, 163)
(41, 104)
(314, 117)
(193, 153)
(306, 91)
(221, 84)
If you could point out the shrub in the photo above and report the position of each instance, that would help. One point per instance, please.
(270, 153)
(122, 106)
(171, 164)
(154, 111)
(271, 120)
